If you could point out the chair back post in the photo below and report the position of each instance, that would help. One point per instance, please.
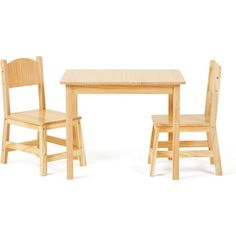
(5, 89)
(213, 93)
(41, 90)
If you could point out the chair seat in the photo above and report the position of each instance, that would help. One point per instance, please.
(39, 117)
(185, 120)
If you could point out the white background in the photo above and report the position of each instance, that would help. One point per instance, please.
(114, 194)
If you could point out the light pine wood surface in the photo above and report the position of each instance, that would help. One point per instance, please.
(122, 82)
(39, 117)
(190, 123)
(122, 77)
(185, 120)
(25, 72)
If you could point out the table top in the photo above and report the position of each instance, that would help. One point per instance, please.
(122, 77)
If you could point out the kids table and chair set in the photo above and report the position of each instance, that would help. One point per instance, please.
(26, 72)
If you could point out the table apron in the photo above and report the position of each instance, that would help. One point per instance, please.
(123, 89)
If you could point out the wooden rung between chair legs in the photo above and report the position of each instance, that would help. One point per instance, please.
(192, 143)
(22, 147)
(186, 154)
(61, 156)
(55, 140)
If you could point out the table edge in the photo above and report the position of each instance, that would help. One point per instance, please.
(87, 84)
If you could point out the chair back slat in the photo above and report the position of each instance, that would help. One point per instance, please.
(213, 89)
(22, 72)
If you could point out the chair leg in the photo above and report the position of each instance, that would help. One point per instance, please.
(79, 143)
(5, 138)
(83, 155)
(151, 145)
(210, 145)
(216, 151)
(43, 150)
(170, 139)
(154, 151)
(37, 139)
(76, 143)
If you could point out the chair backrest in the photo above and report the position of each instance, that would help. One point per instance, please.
(213, 93)
(22, 72)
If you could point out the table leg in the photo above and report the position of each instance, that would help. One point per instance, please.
(170, 134)
(71, 112)
(175, 144)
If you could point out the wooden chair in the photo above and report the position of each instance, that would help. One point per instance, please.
(192, 123)
(25, 72)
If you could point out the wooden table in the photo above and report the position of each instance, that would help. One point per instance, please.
(123, 82)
